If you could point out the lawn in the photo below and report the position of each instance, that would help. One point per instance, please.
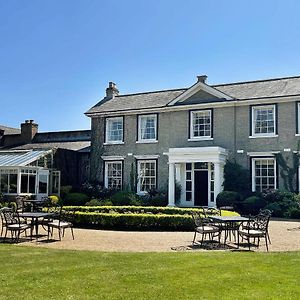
(34, 273)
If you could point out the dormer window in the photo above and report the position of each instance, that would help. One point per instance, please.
(114, 130)
(201, 125)
(147, 128)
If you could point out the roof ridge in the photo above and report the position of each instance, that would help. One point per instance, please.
(151, 92)
(254, 81)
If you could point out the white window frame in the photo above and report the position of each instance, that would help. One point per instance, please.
(142, 140)
(107, 137)
(139, 185)
(200, 138)
(253, 160)
(107, 163)
(257, 135)
(298, 120)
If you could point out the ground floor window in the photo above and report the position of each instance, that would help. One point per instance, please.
(28, 181)
(8, 181)
(147, 175)
(263, 174)
(113, 174)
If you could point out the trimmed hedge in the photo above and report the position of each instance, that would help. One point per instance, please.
(135, 217)
(134, 221)
(134, 209)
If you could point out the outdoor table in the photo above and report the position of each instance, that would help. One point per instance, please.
(230, 223)
(34, 216)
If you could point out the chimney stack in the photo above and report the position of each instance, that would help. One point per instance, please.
(28, 131)
(112, 90)
(202, 78)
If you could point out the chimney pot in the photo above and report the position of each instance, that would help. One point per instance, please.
(202, 78)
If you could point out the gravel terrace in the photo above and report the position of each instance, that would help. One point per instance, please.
(285, 236)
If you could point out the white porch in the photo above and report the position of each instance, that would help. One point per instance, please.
(200, 173)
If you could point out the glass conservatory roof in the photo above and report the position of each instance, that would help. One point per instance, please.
(20, 158)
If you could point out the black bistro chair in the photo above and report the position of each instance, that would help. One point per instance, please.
(61, 223)
(204, 227)
(255, 229)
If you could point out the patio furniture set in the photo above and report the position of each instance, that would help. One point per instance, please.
(210, 223)
(17, 221)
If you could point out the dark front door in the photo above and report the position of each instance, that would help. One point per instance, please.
(201, 188)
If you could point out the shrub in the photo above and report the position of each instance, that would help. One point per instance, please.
(65, 190)
(106, 202)
(229, 198)
(252, 205)
(93, 202)
(122, 198)
(293, 213)
(275, 208)
(75, 199)
(54, 199)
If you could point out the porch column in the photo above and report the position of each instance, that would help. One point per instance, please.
(178, 173)
(219, 174)
(171, 201)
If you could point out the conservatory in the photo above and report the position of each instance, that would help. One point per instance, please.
(28, 173)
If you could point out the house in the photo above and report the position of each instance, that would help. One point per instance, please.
(187, 135)
(38, 163)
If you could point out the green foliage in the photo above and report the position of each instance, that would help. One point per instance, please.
(122, 198)
(293, 213)
(287, 172)
(134, 221)
(252, 205)
(75, 199)
(228, 198)
(133, 178)
(93, 202)
(54, 200)
(236, 178)
(65, 190)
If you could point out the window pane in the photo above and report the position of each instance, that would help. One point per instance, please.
(147, 175)
(114, 175)
(264, 174)
(43, 179)
(147, 127)
(264, 120)
(31, 184)
(24, 183)
(114, 130)
(13, 179)
(4, 183)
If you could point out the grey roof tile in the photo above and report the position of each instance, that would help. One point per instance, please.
(278, 87)
(9, 130)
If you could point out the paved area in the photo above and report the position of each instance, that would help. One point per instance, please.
(285, 236)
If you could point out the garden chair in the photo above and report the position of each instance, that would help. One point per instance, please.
(256, 228)
(62, 222)
(12, 222)
(204, 227)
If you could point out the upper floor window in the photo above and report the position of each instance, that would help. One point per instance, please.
(263, 121)
(298, 119)
(201, 124)
(263, 174)
(113, 174)
(114, 130)
(146, 175)
(147, 128)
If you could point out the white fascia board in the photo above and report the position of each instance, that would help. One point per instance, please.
(146, 156)
(197, 87)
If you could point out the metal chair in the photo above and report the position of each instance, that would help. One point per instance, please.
(204, 227)
(61, 223)
(256, 228)
(11, 222)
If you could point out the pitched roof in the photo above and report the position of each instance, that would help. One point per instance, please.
(277, 87)
(19, 158)
(9, 130)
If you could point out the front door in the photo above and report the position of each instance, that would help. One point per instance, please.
(201, 188)
(42, 184)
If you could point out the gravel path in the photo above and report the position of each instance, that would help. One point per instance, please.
(285, 236)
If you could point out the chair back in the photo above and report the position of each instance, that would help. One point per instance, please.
(265, 212)
(199, 219)
(9, 216)
(19, 200)
(260, 222)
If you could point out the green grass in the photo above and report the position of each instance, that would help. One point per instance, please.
(35, 273)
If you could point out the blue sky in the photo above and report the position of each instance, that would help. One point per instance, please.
(56, 57)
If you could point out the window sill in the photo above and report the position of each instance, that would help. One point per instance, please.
(297, 134)
(200, 139)
(113, 143)
(147, 142)
(262, 136)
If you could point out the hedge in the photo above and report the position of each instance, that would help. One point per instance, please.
(134, 209)
(133, 221)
